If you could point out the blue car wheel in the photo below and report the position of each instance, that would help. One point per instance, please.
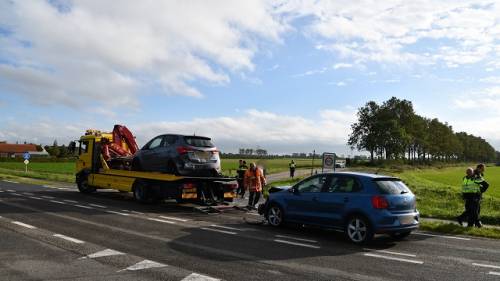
(275, 215)
(359, 230)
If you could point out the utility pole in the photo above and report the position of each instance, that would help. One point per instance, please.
(312, 164)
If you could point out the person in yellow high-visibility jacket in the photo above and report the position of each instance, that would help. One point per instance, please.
(471, 193)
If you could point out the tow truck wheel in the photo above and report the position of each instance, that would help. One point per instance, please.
(83, 184)
(140, 193)
(275, 215)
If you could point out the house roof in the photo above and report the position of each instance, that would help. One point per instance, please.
(16, 148)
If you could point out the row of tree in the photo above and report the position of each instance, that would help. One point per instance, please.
(393, 130)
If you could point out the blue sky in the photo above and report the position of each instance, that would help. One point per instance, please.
(283, 75)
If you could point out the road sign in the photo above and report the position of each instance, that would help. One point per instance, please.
(26, 162)
(328, 161)
(26, 156)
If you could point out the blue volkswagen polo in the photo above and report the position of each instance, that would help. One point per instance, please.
(359, 204)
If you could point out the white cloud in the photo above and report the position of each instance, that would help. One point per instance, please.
(342, 65)
(311, 72)
(107, 53)
(486, 99)
(491, 79)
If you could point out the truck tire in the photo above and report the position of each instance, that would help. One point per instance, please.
(82, 182)
(141, 193)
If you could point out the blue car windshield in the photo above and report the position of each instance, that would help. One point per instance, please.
(392, 186)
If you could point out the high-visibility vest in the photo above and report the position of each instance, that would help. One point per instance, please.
(470, 186)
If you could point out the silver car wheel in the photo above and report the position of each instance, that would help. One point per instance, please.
(356, 230)
(275, 216)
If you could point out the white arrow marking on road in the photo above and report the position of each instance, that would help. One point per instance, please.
(199, 277)
(24, 224)
(104, 253)
(71, 239)
(486, 265)
(145, 264)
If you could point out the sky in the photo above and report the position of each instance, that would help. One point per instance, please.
(286, 76)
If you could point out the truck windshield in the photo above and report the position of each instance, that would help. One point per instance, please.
(199, 141)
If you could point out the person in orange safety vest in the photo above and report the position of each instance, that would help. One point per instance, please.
(254, 182)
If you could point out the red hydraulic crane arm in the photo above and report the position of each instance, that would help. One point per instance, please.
(115, 149)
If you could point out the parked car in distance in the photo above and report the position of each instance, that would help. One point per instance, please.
(359, 204)
(180, 155)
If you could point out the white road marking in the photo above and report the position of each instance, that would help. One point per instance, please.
(296, 238)
(48, 186)
(393, 258)
(494, 273)
(103, 253)
(58, 202)
(138, 213)
(67, 238)
(28, 193)
(486, 265)
(1, 191)
(391, 252)
(10, 190)
(218, 230)
(98, 206)
(144, 265)
(225, 227)
(24, 224)
(62, 188)
(442, 236)
(47, 197)
(70, 201)
(164, 221)
(82, 206)
(199, 277)
(173, 218)
(16, 194)
(296, 244)
(10, 181)
(118, 213)
(254, 214)
(34, 197)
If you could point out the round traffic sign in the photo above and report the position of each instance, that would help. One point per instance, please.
(26, 155)
(328, 161)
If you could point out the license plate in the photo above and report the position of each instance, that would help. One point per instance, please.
(203, 155)
(406, 220)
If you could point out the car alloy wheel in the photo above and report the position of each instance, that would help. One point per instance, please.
(275, 216)
(358, 230)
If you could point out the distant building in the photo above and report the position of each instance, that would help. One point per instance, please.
(18, 150)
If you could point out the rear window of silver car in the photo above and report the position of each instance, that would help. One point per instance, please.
(199, 141)
(392, 186)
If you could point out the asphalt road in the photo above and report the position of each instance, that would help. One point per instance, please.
(49, 233)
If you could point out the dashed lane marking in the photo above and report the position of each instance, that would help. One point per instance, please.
(138, 213)
(47, 197)
(442, 236)
(296, 238)
(1, 191)
(98, 206)
(34, 197)
(16, 194)
(391, 252)
(10, 190)
(486, 265)
(118, 213)
(225, 227)
(48, 186)
(296, 244)
(103, 253)
(494, 273)
(71, 201)
(24, 224)
(82, 206)
(58, 202)
(145, 264)
(28, 193)
(199, 277)
(62, 188)
(173, 218)
(67, 238)
(218, 230)
(164, 221)
(393, 258)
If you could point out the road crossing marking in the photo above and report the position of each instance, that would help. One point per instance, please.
(98, 206)
(173, 218)
(393, 258)
(296, 238)
(220, 231)
(297, 244)
(164, 221)
(24, 224)
(199, 277)
(391, 252)
(442, 236)
(486, 265)
(118, 213)
(145, 264)
(67, 238)
(103, 253)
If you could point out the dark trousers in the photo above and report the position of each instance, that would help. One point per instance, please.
(472, 209)
(292, 172)
(254, 198)
(241, 188)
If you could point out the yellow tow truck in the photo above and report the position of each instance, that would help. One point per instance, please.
(94, 172)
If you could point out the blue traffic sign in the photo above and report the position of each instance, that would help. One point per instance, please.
(26, 156)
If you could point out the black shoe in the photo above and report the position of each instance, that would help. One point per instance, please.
(478, 224)
(460, 221)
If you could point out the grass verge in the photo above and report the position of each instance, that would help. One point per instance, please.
(454, 229)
